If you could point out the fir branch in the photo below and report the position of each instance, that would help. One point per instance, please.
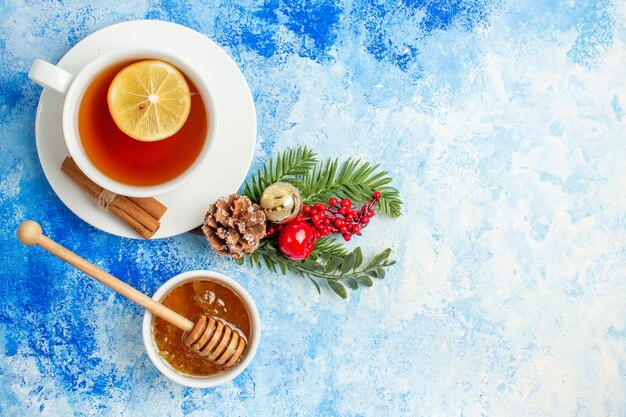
(338, 269)
(327, 247)
(354, 179)
(289, 165)
(330, 262)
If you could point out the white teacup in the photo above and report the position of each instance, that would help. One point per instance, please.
(73, 87)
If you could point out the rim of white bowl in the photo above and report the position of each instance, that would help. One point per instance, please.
(214, 380)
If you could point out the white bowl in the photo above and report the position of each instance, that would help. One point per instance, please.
(200, 381)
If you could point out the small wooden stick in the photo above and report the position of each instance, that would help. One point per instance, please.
(30, 233)
(217, 343)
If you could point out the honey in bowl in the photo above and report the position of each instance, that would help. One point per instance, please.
(190, 299)
(130, 161)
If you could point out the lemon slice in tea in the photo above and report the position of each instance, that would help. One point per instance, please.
(149, 100)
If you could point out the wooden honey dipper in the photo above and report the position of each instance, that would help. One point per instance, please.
(211, 338)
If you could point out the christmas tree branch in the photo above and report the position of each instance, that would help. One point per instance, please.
(346, 268)
(353, 179)
(288, 165)
(327, 246)
(317, 182)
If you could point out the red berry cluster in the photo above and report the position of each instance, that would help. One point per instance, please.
(338, 216)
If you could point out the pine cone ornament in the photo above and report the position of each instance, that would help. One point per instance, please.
(234, 226)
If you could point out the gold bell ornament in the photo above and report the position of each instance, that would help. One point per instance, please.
(281, 202)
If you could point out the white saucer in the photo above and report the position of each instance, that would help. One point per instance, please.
(230, 156)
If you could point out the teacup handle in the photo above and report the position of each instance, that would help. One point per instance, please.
(50, 76)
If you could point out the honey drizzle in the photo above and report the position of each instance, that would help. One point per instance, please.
(191, 299)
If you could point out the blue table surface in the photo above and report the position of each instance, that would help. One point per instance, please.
(502, 123)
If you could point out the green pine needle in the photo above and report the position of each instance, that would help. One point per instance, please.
(288, 165)
(354, 179)
(327, 246)
(333, 265)
(318, 181)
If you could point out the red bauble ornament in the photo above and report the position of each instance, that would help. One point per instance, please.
(297, 240)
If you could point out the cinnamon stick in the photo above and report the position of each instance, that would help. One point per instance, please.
(141, 214)
(151, 205)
